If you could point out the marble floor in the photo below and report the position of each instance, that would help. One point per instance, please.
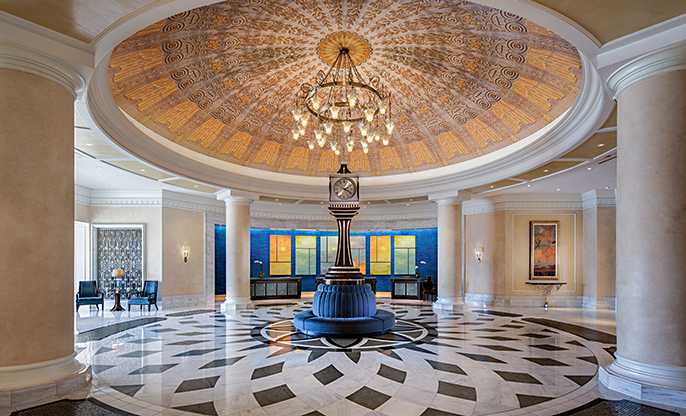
(507, 361)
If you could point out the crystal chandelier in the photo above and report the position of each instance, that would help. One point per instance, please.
(341, 110)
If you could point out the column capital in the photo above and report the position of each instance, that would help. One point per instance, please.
(671, 58)
(20, 58)
(233, 196)
(451, 197)
(599, 197)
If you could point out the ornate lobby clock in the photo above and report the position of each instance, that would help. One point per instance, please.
(343, 188)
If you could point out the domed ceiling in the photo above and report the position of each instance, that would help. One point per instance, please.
(466, 80)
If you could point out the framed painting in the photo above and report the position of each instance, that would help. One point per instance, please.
(545, 259)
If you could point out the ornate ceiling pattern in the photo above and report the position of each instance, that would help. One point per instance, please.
(466, 80)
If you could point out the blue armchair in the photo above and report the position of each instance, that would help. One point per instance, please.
(147, 297)
(89, 295)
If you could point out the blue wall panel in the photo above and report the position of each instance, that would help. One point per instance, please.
(426, 250)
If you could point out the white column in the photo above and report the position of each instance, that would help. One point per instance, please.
(450, 250)
(651, 229)
(237, 248)
(37, 358)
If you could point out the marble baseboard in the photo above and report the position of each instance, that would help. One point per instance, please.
(184, 301)
(478, 299)
(74, 386)
(644, 381)
(589, 302)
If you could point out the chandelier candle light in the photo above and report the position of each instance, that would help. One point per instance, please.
(346, 111)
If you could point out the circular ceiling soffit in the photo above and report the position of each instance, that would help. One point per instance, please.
(467, 80)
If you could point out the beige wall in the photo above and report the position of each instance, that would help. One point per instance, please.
(82, 212)
(166, 231)
(505, 265)
(183, 228)
(151, 217)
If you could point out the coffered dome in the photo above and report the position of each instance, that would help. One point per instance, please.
(466, 80)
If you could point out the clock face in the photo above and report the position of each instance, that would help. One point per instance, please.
(344, 188)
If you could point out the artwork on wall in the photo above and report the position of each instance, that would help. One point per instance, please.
(544, 252)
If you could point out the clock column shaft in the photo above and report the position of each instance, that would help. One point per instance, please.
(344, 256)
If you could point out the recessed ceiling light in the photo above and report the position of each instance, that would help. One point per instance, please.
(589, 168)
(106, 186)
(607, 187)
(558, 189)
(408, 205)
(601, 144)
(528, 186)
(545, 170)
(142, 170)
(410, 199)
(89, 144)
(277, 199)
(492, 186)
(323, 202)
(100, 167)
(195, 186)
(279, 204)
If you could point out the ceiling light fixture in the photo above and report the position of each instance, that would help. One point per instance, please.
(601, 144)
(347, 111)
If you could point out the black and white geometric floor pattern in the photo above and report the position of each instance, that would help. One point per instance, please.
(255, 362)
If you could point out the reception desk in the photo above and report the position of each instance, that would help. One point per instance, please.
(371, 281)
(406, 287)
(275, 288)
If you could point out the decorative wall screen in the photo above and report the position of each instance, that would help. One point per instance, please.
(119, 247)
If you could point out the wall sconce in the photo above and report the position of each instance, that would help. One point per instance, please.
(260, 263)
(416, 268)
(185, 250)
(479, 251)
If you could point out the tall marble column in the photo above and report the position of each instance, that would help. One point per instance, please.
(37, 358)
(237, 248)
(450, 250)
(599, 244)
(650, 361)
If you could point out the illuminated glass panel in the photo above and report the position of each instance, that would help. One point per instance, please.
(359, 252)
(327, 249)
(305, 255)
(404, 255)
(279, 254)
(380, 255)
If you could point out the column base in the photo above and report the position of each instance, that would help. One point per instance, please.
(644, 381)
(449, 304)
(29, 385)
(232, 304)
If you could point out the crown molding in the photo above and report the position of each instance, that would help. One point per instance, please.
(599, 198)
(48, 41)
(516, 202)
(642, 42)
(21, 58)
(671, 58)
(155, 198)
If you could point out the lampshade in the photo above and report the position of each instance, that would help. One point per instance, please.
(117, 273)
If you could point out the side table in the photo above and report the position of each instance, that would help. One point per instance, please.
(117, 302)
(547, 288)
